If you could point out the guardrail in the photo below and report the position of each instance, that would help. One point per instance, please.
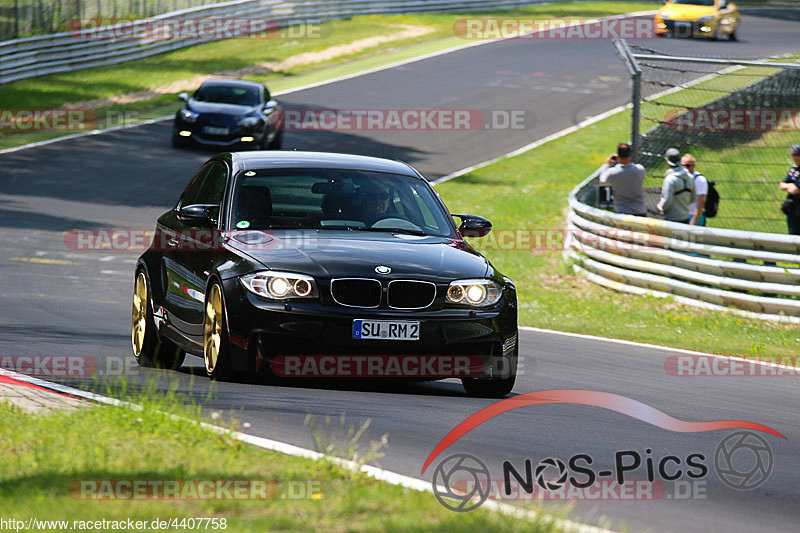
(752, 274)
(47, 54)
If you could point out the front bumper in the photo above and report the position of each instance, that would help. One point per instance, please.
(234, 138)
(684, 28)
(261, 331)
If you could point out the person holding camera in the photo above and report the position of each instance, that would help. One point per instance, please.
(626, 180)
(791, 184)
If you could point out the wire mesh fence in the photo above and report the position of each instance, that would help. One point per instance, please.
(24, 18)
(738, 121)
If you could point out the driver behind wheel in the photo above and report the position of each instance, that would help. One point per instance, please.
(374, 202)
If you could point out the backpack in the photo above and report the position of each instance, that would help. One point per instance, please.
(712, 201)
(685, 189)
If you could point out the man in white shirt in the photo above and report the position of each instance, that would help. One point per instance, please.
(700, 188)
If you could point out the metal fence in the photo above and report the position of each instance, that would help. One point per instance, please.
(753, 274)
(737, 117)
(100, 46)
(24, 18)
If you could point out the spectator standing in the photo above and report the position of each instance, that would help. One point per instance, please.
(626, 180)
(700, 188)
(791, 184)
(677, 192)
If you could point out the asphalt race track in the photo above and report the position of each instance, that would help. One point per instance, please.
(54, 300)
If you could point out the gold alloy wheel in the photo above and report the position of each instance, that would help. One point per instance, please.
(212, 329)
(139, 314)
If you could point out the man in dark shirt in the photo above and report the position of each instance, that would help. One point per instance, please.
(791, 184)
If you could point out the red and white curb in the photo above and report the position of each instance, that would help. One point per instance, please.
(33, 398)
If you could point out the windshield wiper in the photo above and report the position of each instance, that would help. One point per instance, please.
(397, 230)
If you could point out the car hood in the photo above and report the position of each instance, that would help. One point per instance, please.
(328, 254)
(687, 12)
(229, 110)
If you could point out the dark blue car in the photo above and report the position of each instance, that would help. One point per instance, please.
(229, 113)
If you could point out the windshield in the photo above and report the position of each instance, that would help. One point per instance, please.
(695, 2)
(227, 95)
(337, 199)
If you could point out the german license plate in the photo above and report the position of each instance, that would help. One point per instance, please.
(683, 29)
(385, 330)
(211, 130)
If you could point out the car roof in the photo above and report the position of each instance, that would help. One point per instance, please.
(297, 159)
(221, 82)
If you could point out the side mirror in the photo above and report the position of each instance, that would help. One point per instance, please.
(183, 97)
(474, 226)
(723, 4)
(270, 106)
(197, 215)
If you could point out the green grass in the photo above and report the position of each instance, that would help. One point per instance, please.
(45, 455)
(751, 197)
(55, 90)
(746, 167)
(528, 192)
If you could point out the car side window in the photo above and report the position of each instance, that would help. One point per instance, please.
(190, 193)
(207, 187)
(213, 187)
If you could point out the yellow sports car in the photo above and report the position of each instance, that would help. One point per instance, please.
(698, 18)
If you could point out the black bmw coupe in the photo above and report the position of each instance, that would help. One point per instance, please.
(229, 113)
(269, 255)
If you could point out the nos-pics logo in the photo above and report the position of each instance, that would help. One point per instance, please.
(743, 460)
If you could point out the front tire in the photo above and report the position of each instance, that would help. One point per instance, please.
(277, 142)
(493, 388)
(178, 142)
(488, 388)
(216, 344)
(148, 349)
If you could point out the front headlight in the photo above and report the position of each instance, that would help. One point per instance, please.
(189, 115)
(249, 122)
(474, 292)
(280, 285)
